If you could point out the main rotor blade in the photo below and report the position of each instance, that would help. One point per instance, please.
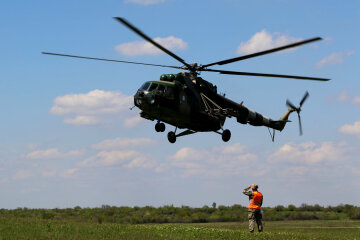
(109, 60)
(265, 75)
(126, 23)
(263, 52)
(306, 95)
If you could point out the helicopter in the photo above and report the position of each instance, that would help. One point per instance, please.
(187, 101)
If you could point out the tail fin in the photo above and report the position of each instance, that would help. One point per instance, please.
(280, 124)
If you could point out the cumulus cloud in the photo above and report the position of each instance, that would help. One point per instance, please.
(82, 120)
(345, 97)
(145, 48)
(310, 153)
(125, 158)
(213, 162)
(121, 143)
(49, 173)
(22, 174)
(105, 158)
(132, 121)
(52, 153)
(4, 180)
(94, 107)
(145, 2)
(333, 59)
(93, 102)
(121, 152)
(356, 100)
(69, 172)
(263, 41)
(353, 129)
(140, 162)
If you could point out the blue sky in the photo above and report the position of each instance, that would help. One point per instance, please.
(68, 138)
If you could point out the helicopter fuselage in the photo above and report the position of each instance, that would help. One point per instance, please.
(187, 101)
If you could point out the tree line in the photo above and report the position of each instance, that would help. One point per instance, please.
(185, 214)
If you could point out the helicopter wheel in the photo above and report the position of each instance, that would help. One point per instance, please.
(160, 127)
(226, 135)
(171, 137)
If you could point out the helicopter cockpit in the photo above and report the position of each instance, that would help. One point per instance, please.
(156, 88)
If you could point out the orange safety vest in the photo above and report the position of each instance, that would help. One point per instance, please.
(256, 201)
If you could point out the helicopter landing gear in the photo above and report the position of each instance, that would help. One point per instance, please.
(159, 127)
(226, 135)
(171, 137)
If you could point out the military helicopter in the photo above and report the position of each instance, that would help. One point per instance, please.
(186, 101)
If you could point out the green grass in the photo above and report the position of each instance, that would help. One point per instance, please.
(18, 228)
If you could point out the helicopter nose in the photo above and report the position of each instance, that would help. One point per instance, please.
(150, 98)
(143, 98)
(138, 98)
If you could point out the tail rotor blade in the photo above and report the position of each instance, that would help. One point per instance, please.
(289, 104)
(304, 98)
(300, 125)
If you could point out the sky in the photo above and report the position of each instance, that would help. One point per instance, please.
(68, 137)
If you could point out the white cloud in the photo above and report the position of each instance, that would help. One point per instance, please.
(140, 162)
(214, 162)
(69, 172)
(4, 180)
(145, 48)
(351, 129)
(310, 153)
(125, 158)
(236, 148)
(132, 122)
(120, 151)
(49, 173)
(145, 2)
(120, 143)
(110, 158)
(263, 41)
(91, 103)
(52, 153)
(356, 100)
(345, 97)
(94, 107)
(334, 58)
(189, 153)
(31, 146)
(22, 174)
(82, 120)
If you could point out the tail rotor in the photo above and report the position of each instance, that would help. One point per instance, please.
(298, 109)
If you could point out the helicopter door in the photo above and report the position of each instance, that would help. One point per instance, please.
(184, 106)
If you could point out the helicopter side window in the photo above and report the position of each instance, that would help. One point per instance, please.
(161, 88)
(169, 92)
(153, 87)
(145, 86)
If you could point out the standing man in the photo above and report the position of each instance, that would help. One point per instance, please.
(255, 202)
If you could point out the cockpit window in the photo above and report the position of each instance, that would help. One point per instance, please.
(169, 92)
(153, 86)
(145, 86)
(161, 88)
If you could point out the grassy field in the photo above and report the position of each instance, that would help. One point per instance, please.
(16, 228)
